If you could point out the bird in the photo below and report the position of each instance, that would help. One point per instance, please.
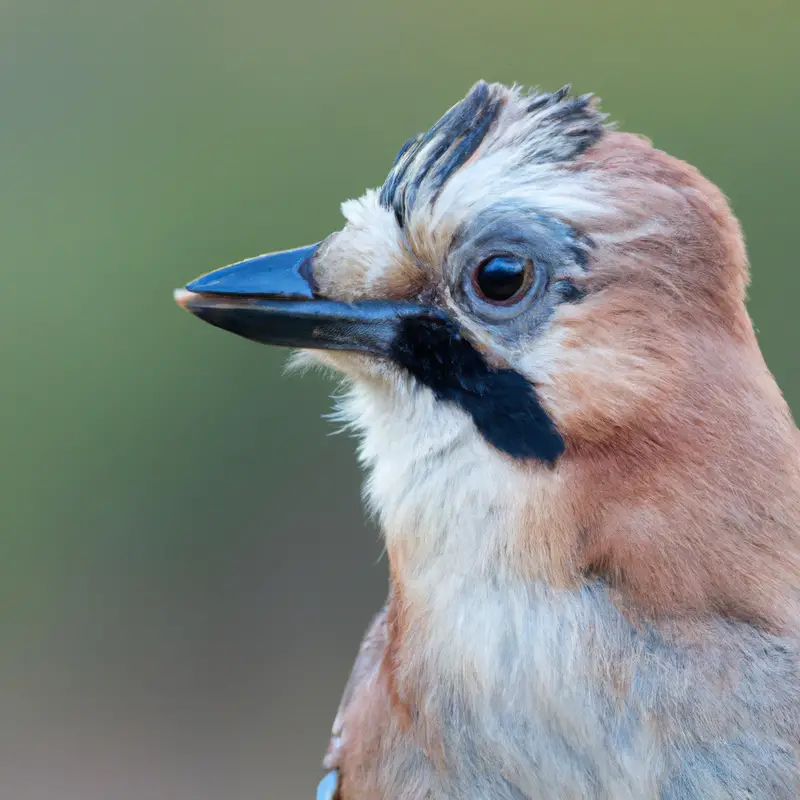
(586, 476)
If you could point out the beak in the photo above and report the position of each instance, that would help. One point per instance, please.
(272, 299)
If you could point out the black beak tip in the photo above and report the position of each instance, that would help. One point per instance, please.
(187, 299)
(180, 296)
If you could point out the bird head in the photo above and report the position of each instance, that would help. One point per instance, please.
(542, 323)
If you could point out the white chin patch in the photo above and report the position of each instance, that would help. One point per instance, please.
(356, 366)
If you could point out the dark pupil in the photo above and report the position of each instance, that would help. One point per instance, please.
(500, 278)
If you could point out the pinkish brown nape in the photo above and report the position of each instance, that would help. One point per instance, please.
(587, 478)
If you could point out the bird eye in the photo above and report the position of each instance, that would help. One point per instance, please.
(502, 279)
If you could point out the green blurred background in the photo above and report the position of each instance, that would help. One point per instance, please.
(186, 571)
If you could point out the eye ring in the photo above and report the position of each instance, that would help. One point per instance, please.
(503, 279)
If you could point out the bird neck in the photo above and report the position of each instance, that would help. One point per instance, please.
(695, 513)
(448, 503)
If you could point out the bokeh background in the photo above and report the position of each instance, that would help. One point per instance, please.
(186, 570)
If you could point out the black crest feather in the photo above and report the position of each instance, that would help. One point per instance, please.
(561, 128)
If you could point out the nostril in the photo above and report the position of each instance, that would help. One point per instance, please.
(306, 271)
